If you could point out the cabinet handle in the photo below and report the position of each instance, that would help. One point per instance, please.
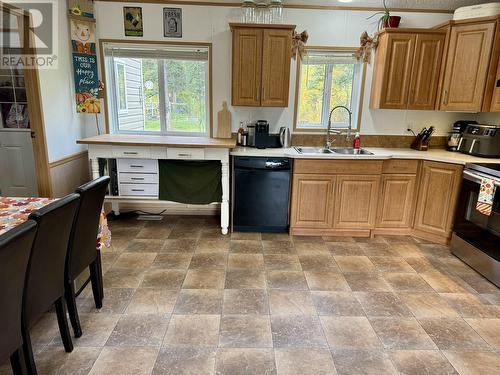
(184, 155)
(137, 166)
(137, 189)
(445, 97)
(129, 153)
(137, 179)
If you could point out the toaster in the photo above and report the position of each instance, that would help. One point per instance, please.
(480, 140)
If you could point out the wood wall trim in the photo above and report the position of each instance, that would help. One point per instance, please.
(70, 158)
(289, 6)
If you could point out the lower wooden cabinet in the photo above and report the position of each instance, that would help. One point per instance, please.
(312, 202)
(356, 202)
(437, 198)
(396, 205)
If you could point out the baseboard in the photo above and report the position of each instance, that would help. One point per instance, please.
(170, 208)
(431, 237)
(330, 232)
(68, 173)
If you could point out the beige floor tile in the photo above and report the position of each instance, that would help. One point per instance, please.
(381, 249)
(362, 362)
(278, 247)
(54, 360)
(45, 330)
(191, 232)
(245, 279)
(145, 246)
(474, 363)
(245, 362)
(212, 245)
(401, 334)
(245, 301)
(367, 282)
(199, 301)
(479, 283)
(344, 248)
(407, 282)
(291, 302)
(350, 264)
(276, 237)
(245, 246)
(154, 232)
(125, 361)
(117, 300)
(407, 250)
(326, 281)
(391, 264)
(185, 361)
(472, 305)
(349, 332)
(442, 283)
(427, 305)
(245, 261)
(321, 262)
(453, 334)
(135, 260)
(96, 329)
(245, 331)
(152, 301)
(123, 278)
(337, 303)
(163, 278)
(303, 247)
(193, 330)
(139, 330)
(422, 265)
(172, 261)
(288, 280)
(282, 262)
(416, 362)
(186, 246)
(208, 261)
(304, 362)
(341, 239)
(382, 305)
(203, 279)
(246, 236)
(297, 331)
(488, 329)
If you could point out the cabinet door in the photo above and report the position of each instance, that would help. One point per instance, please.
(495, 101)
(312, 201)
(392, 80)
(277, 54)
(425, 71)
(467, 67)
(397, 201)
(247, 67)
(356, 202)
(437, 197)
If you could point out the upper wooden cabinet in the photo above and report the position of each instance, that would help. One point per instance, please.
(261, 64)
(467, 66)
(495, 97)
(407, 66)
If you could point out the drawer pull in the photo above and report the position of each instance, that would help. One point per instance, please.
(137, 189)
(129, 153)
(185, 155)
(137, 179)
(137, 166)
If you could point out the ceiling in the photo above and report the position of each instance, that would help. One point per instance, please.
(409, 4)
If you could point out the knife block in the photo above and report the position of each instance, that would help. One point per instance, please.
(419, 145)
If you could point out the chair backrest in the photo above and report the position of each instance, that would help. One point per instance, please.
(82, 243)
(15, 250)
(45, 275)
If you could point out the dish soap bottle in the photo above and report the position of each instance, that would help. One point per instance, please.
(356, 143)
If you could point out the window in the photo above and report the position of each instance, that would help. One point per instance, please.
(159, 89)
(327, 79)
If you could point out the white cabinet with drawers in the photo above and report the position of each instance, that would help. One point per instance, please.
(138, 177)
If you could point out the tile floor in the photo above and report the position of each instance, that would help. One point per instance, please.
(182, 299)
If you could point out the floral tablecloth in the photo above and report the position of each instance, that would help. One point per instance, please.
(14, 211)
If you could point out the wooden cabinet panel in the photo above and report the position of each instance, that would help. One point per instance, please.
(276, 57)
(312, 201)
(392, 71)
(397, 201)
(495, 101)
(247, 67)
(437, 196)
(467, 65)
(352, 167)
(356, 202)
(400, 166)
(425, 71)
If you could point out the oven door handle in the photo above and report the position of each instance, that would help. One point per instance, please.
(478, 178)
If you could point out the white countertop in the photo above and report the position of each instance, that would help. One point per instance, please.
(379, 154)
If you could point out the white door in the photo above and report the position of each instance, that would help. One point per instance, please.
(17, 164)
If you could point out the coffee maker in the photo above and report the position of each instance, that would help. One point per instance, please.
(453, 138)
(261, 133)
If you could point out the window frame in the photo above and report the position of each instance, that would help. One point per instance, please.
(110, 104)
(117, 93)
(355, 126)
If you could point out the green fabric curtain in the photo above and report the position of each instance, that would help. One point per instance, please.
(190, 182)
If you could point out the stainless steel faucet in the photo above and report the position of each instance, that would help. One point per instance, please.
(329, 131)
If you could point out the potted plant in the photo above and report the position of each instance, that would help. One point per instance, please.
(386, 20)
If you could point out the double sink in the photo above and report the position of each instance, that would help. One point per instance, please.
(332, 151)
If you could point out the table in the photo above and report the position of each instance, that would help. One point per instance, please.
(14, 211)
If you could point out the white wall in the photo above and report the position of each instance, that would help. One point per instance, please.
(63, 126)
(326, 28)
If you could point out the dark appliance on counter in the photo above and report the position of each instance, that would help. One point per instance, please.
(480, 140)
(453, 138)
(251, 135)
(476, 237)
(261, 134)
(261, 194)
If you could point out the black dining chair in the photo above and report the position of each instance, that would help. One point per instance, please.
(15, 249)
(82, 249)
(44, 286)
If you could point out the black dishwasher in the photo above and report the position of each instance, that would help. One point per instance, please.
(261, 194)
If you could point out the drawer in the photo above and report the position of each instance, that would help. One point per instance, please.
(350, 167)
(144, 190)
(137, 165)
(400, 166)
(131, 152)
(138, 178)
(186, 153)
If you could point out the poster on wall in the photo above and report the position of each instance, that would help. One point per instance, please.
(81, 8)
(172, 22)
(132, 20)
(85, 66)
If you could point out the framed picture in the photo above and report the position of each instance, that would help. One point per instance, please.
(172, 22)
(132, 20)
(82, 8)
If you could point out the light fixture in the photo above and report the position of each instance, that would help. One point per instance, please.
(345, 1)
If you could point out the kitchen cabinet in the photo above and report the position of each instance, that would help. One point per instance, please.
(406, 70)
(467, 66)
(437, 197)
(397, 201)
(495, 100)
(261, 64)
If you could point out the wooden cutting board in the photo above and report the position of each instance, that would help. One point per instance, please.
(224, 122)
